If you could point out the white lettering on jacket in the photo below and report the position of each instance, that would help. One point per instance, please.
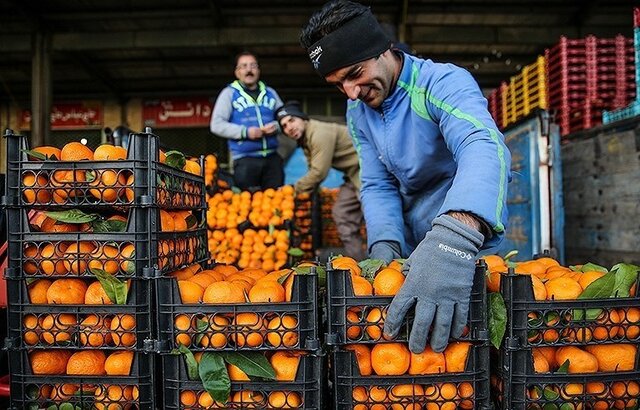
(240, 104)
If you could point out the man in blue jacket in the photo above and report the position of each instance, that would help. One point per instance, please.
(244, 113)
(434, 166)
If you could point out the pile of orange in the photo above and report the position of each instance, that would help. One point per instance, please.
(226, 210)
(303, 223)
(252, 248)
(285, 365)
(395, 359)
(224, 284)
(210, 168)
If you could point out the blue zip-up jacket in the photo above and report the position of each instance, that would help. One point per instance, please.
(235, 111)
(430, 148)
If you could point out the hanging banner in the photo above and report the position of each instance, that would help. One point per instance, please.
(177, 112)
(70, 116)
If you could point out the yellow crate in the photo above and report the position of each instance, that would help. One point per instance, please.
(526, 91)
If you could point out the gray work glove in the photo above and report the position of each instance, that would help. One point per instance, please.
(439, 279)
(385, 250)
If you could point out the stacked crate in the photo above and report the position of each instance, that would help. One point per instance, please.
(274, 331)
(587, 76)
(329, 229)
(632, 109)
(547, 358)
(355, 327)
(495, 104)
(84, 246)
(526, 92)
(306, 232)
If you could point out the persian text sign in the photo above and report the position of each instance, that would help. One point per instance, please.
(70, 116)
(177, 112)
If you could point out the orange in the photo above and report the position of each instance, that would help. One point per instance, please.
(217, 338)
(47, 259)
(465, 391)
(51, 153)
(58, 328)
(66, 292)
(38, 291)
(36, 191)
(182, 274)
(31, 334)
(495, 263)
(283, 331)
(267, 291)
(284, 400)
(361, 286)
(629, 391)
(455, 356)
(533, 267)
(119, 325)
(108, 152)
(188, 398)
(375, 319)
(225, 269)
(75, 151)
(223, 292)
(64, 391)
(580, 361)
(87, 362)
(406, 394)
(167, 224)
(248, 399)
(49, 361)
(390, 359)
(627, 316)
(94, 331)
(236, 374)
(540, 363)
(608, 318)
(128, 255)
(285, 364)
(107, 184)
(250, 329)
(192, 167)
(441, 396)
(589, 277)
(119, 363)
(539, 290)
(387, 282)
(77, 255)
(346, 263)
(106, 258)
(493, 281)
(51, 225)
(96, 295)
(427, 362)
(548, 262)
(183, 322)
(562, 288)
(129, 192)
(363, 358)
(598, 390)
(353, 332)
(112, 397)
(614, 357)
(549, 353)
(190, 292)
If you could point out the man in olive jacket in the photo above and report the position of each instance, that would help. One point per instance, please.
(328, 145)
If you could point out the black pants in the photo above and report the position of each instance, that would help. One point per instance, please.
(262, 173)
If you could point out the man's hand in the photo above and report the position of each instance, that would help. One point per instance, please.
(270, 128)
(254, 133)
(439, 279)
(385, 250)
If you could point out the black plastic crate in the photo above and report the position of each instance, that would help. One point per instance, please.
(138, 180)
(29, 391)
(462, 390)
(515, 385)
(140, 251)
(305, 392)
(69, 326)
(360, 319)
(214, 323)
(532, 323)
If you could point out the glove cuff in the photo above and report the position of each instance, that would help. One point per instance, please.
(459, 227)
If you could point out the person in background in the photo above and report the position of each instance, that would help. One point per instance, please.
(434, 166)
(328, 145)
(244, 114)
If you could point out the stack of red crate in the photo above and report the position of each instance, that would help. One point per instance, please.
(586, 76)
(495, 104)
